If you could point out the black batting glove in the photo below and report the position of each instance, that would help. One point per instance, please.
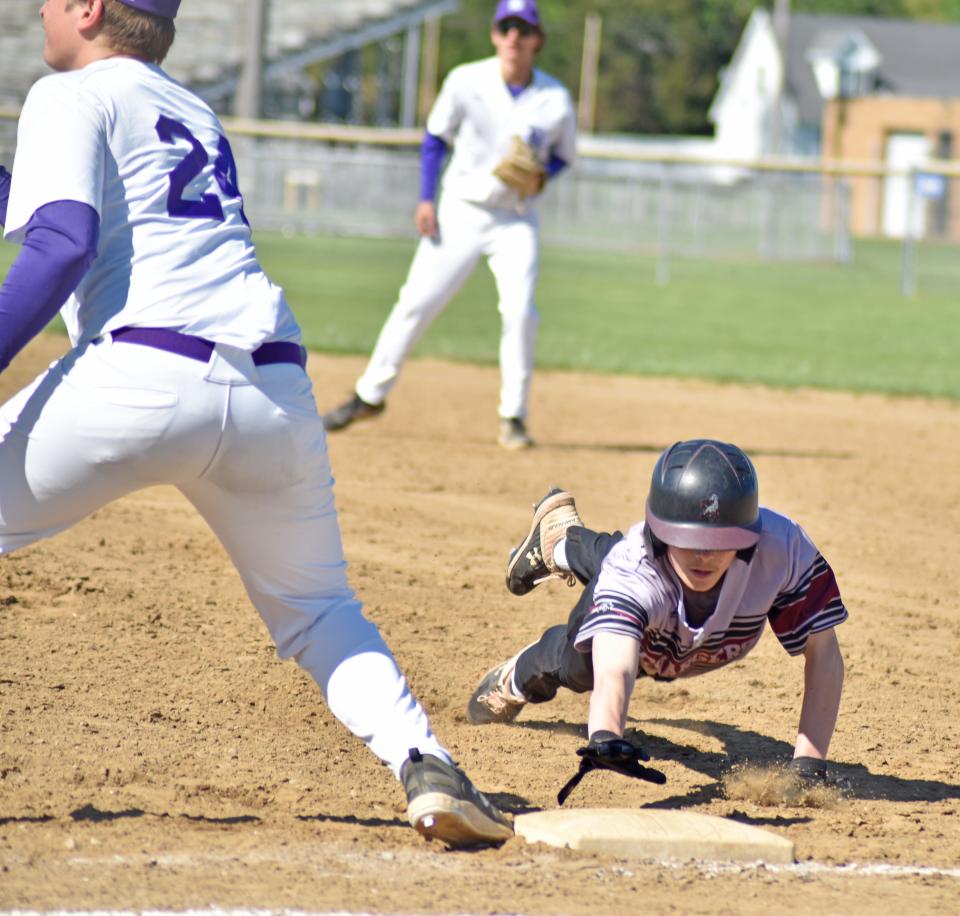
(809, 770)
(610, 747)
(607, 751)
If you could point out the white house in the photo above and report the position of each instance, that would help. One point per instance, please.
(771, 98)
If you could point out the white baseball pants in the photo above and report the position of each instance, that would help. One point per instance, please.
(440, 268)
(246, 446)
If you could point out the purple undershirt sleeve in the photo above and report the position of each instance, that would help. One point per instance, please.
(555, 165)
(59, 245)
(432, 152)
(4, 194)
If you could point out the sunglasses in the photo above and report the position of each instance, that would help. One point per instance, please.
(523, 27)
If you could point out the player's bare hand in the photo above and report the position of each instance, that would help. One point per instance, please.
(425, 219)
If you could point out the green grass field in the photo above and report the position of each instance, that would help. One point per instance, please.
(823, 325)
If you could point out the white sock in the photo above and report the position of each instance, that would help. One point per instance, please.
(560, 554)
(514, 689)
(366, 690)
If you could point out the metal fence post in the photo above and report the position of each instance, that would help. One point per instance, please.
(908, 264)
(663, 227)
(841, 221)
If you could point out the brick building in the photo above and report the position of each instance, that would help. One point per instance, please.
(883, 93)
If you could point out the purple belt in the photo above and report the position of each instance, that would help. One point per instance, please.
(275, 351)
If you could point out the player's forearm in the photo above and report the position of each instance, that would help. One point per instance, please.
(59, 244)
(608, 705)
(4, 194)
(615, 661)
(823, 687)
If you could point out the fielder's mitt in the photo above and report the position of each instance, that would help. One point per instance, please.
(608, 752)
(521, 169)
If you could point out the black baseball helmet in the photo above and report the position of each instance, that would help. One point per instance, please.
(703, 495)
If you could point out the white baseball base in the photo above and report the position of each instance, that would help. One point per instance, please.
(654, 834)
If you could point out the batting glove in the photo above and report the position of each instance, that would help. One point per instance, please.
(607, 751)
(809, 770)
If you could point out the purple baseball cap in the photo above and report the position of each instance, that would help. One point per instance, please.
(166, 8)
(518, 9)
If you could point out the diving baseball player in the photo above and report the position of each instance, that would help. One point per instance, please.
(512, 128)
(186, 368)
(688, 590)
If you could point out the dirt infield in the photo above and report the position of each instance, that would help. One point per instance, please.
(154, 753)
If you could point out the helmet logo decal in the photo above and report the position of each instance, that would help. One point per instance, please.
(710, 508)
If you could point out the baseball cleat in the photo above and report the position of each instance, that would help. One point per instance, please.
(531, 562)
(354, 409)
(514, 435)
(494, 700)
(443, 804)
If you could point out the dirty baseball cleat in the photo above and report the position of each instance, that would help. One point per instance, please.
(513, 434)
(443, 804)
(494, 700)
(532, 561)
(354, 409)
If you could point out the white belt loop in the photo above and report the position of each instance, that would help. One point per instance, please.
(231, 365)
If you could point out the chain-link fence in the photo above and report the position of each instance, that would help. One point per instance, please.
(673, 208)
(302, 178)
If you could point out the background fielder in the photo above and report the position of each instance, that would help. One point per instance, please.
(484, 110)
(688, 590)
(186, 369)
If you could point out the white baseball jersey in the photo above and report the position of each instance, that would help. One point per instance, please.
(153, 161)
(477, 115)
(786, 581)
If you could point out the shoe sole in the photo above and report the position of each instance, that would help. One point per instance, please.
(457, 823)
(541, 509)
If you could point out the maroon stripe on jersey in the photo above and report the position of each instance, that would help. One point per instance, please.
(661, 655)
(813, 606)
(613, 613)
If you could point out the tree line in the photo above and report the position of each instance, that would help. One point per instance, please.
(659, 60)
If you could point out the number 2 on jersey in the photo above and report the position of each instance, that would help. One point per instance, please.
(208, 206)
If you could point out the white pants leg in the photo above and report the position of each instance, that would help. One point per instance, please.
(513, 255)
(439, 269)
(285, 542)
(247, 447)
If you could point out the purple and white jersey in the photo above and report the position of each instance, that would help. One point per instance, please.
(477, 115)
(152, 159)
(786, 581)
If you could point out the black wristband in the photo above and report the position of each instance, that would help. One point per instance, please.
(598, 737)
(809, 767)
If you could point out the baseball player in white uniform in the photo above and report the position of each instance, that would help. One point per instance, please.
(483, 109)
(186, 369)
(687, 591)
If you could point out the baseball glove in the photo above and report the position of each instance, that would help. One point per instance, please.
(521, 169)
(608, 752)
